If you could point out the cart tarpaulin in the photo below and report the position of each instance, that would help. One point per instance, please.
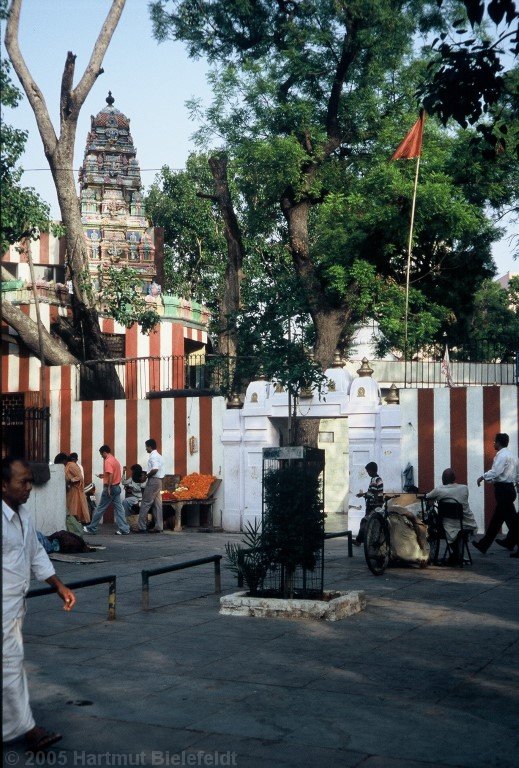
(408, 533)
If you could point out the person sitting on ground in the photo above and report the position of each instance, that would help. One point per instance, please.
(134, 486)
(450, 489)
(374, 497)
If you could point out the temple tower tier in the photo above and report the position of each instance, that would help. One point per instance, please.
(112, 210)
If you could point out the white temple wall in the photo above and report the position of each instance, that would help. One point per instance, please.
(334, 440)
(363, 430)
(47, 503)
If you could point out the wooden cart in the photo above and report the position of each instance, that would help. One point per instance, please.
(171, 507)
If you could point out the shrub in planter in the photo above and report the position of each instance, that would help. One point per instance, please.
(247, 559)
(293, 525)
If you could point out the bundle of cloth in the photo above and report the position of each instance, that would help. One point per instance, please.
(408, 531)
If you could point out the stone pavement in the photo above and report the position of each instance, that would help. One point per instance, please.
(426, 676)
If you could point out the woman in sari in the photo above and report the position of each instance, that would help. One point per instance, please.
(77, 504)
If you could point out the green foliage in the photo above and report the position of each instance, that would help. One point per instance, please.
(496, 318)
(117, 291)
(292, 530)
(300, 136)
(468, 78)
(193, 233)
(247, 559)
(293, 527)
(273, 301)
(24, 213)
(425, 319)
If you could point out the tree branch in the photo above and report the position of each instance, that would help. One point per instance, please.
(34, 95)
(348, 54)
(6, 275)
(94, 68)
(67, 81)
(54, 351)
(205, 196)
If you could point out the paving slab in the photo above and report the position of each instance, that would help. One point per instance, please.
(426, 677)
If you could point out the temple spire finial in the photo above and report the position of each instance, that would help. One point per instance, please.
(110, 99)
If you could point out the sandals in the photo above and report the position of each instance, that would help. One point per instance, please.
(38, 739)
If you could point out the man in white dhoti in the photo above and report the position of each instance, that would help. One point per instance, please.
(450, 489)
(21, 554)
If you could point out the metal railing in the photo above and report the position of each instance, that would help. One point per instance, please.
(26, 431)
(340, 534)
(479, 363)
(141, 377)
(180, 567)
(110, 580)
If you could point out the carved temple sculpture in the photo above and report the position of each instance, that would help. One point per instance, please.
(112, 209)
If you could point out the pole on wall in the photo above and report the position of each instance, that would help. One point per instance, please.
(39, 324)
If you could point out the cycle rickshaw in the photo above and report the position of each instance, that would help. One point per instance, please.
(395, 534)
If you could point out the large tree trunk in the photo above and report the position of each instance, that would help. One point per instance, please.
(60, 155)
(329, 321)
(230, 299)
(231, 295)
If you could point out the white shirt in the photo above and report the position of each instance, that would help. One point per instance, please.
(21, 553)
(505, 468)
(459, 493)
(155, 461)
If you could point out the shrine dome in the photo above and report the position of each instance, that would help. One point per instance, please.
(110, 117)
(364, 389)
(258, 391)
(339, 379)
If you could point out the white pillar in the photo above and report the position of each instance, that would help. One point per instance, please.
(232, 440)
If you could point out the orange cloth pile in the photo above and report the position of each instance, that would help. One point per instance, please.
(192, 486)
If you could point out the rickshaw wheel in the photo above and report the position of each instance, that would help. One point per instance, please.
(377, 544)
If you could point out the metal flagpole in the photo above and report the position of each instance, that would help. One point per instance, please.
(408, 271)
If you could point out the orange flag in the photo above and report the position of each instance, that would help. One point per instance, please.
(411, 146)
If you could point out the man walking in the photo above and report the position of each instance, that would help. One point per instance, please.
(21, 554)
(504, 476)
(151, 496)
(112, 475)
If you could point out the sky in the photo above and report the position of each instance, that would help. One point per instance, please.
(150, 83)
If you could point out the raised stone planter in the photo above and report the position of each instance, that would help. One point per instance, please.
(335, 606)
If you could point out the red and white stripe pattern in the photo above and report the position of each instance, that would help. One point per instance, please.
(455, 427)
(21, 369)
(187, 430)
(48, 250)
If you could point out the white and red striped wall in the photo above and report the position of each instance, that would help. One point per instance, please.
(48, 250)
(21, 369)
(187, 431)
(455, 427)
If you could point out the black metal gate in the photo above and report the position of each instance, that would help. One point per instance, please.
(25, 431)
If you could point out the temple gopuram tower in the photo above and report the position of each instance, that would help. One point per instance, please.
(112, 210)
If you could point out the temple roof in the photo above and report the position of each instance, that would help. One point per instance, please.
(109, 116)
